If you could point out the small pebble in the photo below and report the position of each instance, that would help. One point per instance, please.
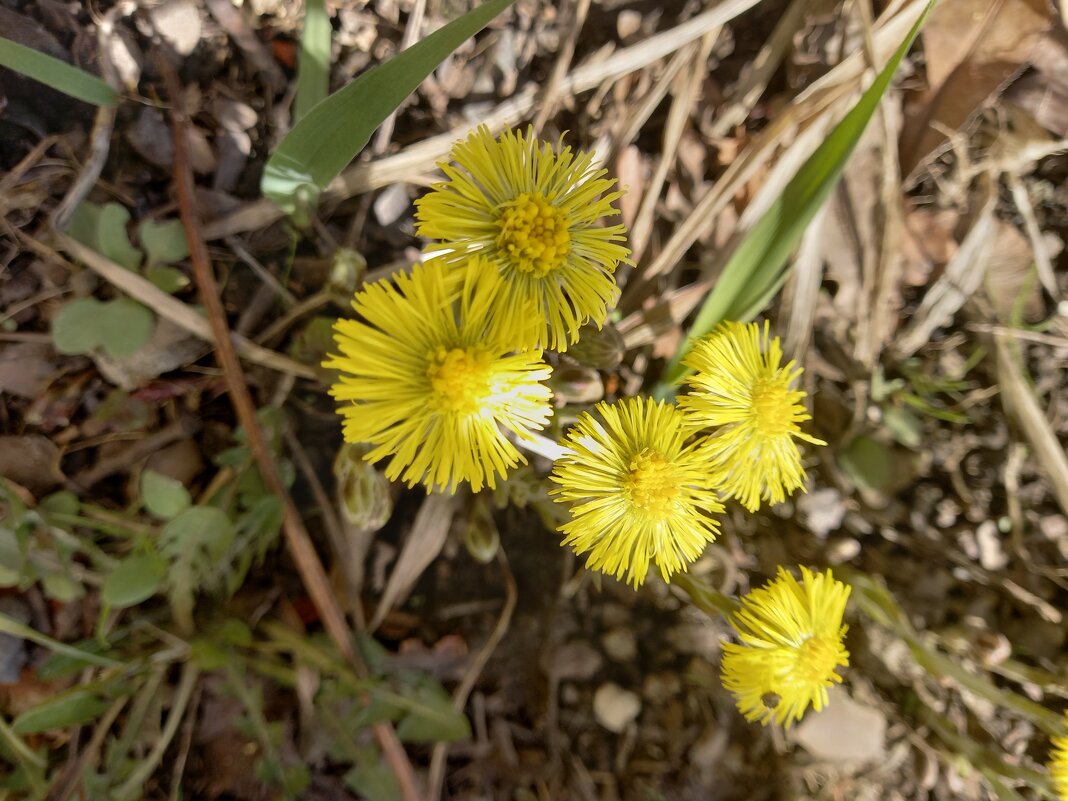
(620, 645)
(615, 708)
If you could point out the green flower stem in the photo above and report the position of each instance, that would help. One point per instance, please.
(991, 764)
(876, 601)
(132, 787)
(710, 601)
(31, 763)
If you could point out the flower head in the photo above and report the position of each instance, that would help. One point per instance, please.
(638, 492)
(741, 388)
(423, 383)
(1058, 765)
(532, 212)
(791, 644)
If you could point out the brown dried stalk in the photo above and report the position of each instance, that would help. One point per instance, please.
(299, 543)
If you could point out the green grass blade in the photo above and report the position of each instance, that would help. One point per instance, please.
(11, 626)
(330, 135)
(55, 73)
(758, 266)
(313, 69)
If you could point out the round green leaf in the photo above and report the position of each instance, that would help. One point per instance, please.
(136, 579)
(62, 588)
(164, 241)
(867, 463)
(163, 496)
(76, 329)
(125, 326)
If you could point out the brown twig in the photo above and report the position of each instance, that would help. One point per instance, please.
(297, 539)
(180, 429)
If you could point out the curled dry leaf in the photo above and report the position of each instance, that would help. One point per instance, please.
(973, 48)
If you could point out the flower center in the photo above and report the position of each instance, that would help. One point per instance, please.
(772, 407)
(460, 379)
(652, 483)
(817, 658)
(534, 233)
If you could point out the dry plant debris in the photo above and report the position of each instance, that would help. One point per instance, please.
(140, 514)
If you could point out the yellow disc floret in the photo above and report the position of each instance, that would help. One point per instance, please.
(744, 394)
(534, 234)
(640, 491)
(772, 407)
(538, 212)
(653, 483)
(426, 385)
(460, 379)
(790, 646)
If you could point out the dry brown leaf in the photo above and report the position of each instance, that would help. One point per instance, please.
(1010, 272)
(928, 242)
(424, 543)
(31, 460)
(973, 50)
(630, 169)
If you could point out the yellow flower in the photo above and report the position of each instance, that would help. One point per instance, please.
(791, 643)
(533, 213)
(638, 492)
(1058, 765)
(423, 383)
(741, 388)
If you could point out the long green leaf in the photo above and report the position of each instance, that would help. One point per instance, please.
(313, 69)
(55, 73)
(11, 626)
(757, 266)
(330, 135)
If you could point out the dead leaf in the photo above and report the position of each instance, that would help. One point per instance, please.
(1010, 272)
(424, 543)
(25, 369)
(31, 460)
(973, 49)
(170, 348)
(630, 170)
(928, 242)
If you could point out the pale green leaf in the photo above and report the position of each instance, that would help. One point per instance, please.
(432, 718)
(125, 326)
(74, 328)
(162, 495)
(169, 279)
(374, 781)
(62, 588)
(330, 135)
(194, 544)
(55, 73)
(103, 228)
(164, 241)
(70, 708)
(313, 69)
(135, 579)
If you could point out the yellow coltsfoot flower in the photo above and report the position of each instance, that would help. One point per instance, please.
(741, 389)
(638, 491)
(534, 213)
(1058, 765)
(422, 381)
(791, 646)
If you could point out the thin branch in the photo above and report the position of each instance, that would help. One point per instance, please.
(297, 539)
